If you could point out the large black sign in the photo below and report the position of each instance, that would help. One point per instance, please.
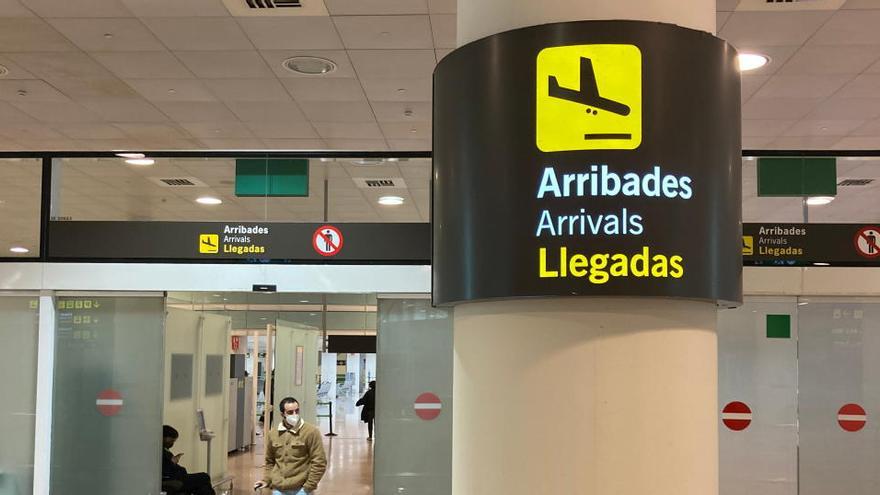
(241, 241)
(588, 158)
(796, 244)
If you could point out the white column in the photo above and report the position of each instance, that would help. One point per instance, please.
(576, 395)
(45, 386)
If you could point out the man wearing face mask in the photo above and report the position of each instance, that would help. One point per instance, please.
(295, 460)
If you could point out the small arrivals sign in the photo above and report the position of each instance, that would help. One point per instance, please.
(580, 176)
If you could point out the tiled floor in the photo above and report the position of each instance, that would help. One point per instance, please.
(349, 456)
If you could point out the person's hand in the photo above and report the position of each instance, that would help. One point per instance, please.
(260, 485)
(176, 459)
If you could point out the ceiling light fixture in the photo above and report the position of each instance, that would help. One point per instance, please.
(819, 200)
(312, 66)
(131, 155)
(751, 61)
(821, 264)
(209, 200)
(3, 71)
(19, 250)
(391, 200)
(140, 161)
(22, 92)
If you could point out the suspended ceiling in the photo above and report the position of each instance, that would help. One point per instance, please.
(187, 74)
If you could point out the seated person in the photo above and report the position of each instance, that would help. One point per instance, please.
(174, 475)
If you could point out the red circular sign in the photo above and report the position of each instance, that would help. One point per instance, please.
(428, 406)
(737, 416)
(867, 242)
(852, 417)
(109, 402)
(327, 240)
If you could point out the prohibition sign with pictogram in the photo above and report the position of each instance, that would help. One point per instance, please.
(327, 240)
(109, 402)
(867, 242)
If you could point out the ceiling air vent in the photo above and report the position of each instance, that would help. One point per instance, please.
(788, 5)
(855, 182)
(275, 8)
(178, 182)
(273, 4)
(380, 183)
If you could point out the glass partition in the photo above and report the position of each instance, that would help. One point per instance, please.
(20, 191)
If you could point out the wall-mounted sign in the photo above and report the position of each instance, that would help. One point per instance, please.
(240, 241)
(792, 244)
(606, 162)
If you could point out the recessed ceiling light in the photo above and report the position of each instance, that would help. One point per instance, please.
(22, 92)
(401, 90)
(819, 200)
(3, 71)
(821, 264)
(391, 200)
(131, 155)
(413, 130)
(108, 35)
(209, 200)
(751, 61)
(19, 250)
(303, 301)
(140, 161)
(312, 66)
(803, 303)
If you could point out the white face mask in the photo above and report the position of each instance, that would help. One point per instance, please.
(292, 419)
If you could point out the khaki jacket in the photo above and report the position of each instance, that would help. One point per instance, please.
(294, 458)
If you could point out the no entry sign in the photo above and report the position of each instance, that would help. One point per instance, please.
(867, 242)
(737, 416)
(428, 406)
(852, 417)
(327, 240)
(109, 402)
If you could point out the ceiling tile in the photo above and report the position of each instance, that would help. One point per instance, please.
(171, 89)
(338, 111)
(823, 127)
(771, 128)
(61, 144)
(282, 130)
(863, 86)
(375, 64)
(778, 108)
(143, 65)
(109, 144)
(376, 7)
(756, 143)
(804, 142)
(152, 131)
(31, 35)
(398, 89)
(396, 111)
(28, 132)
(442, 6)
(720, 19)
(199, 33)
(858, 143)
(751, 84)
(57, 111)
(248, 89)
(348, 130)
(336, 89)
(443, 27)
(275, 59)
(14, 8)
(78, 8)
(177, 8)
(406, 130)
(225, 64)
(802, 86)
(35, 90)
(847, 108)
(123, 109)
(197, 111)
(726, 5)
(108, 35)
(441, 54)
(11, 115)
(232, 144)
(850, 27)
(61, 66)
(217, 130)
(15, 71)
(90, 131)
(295, 144)
(831, 60)
(385, 32)
(276, 111)
(871, 128)
(772, 28)
(300, 33)
(357, 144)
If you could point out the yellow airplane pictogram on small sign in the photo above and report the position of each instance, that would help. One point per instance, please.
(209, 243)
(748, 247)
(589, 98)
